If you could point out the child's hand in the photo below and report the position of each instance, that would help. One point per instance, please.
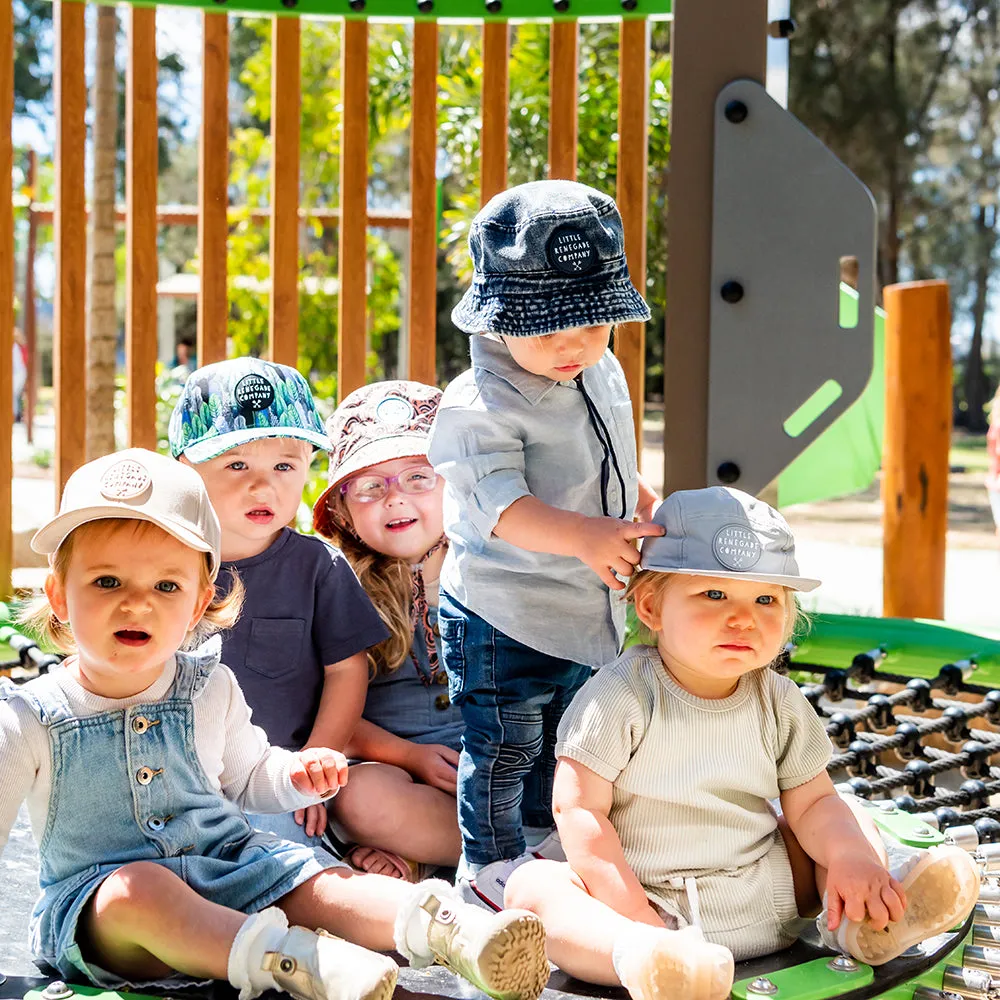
(319, 771)
(856, 886)
(607, 546)
(312, 819)
(435, 765)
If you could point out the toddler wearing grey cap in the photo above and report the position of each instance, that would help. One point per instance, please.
(536, 445)
(669, 759)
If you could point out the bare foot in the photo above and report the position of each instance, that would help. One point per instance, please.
(376, 861)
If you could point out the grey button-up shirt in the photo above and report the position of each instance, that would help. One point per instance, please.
(502, 433)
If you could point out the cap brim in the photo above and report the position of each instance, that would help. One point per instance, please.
(213, 447)
(385, 449)
(49, 537)
(800, 583)
(532, 315)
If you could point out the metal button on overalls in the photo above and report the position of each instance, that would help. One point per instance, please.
(146, 774)
(155, 823)
(140, 724)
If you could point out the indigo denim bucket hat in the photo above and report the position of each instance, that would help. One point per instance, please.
(376, 423)
(244, 399)
(547, 256)
(723, 532)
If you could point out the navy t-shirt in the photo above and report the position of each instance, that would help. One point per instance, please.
(304, 608)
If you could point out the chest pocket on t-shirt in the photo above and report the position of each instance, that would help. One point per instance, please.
(275, 645)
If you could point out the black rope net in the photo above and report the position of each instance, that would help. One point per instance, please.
(925, 747)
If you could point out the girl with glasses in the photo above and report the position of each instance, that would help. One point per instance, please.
(383, 510)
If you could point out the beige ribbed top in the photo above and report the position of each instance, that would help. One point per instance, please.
(692, 776)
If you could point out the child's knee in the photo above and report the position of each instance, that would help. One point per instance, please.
(529, 884)
(134, 888)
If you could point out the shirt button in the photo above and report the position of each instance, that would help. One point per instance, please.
(441, 678)
(441, 702)
(140, 724)
(155, 823)
(146, 774)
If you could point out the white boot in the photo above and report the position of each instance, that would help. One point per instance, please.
(655, 963)
(309, 965)
(503, 954)
(941, 886)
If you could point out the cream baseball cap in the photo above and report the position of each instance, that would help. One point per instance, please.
(141, 485)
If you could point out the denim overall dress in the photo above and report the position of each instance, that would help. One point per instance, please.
(127, 786)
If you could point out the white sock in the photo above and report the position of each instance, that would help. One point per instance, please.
(413, 922)
(260, 933)
(467, 869)
(534, 835)
(637, 942)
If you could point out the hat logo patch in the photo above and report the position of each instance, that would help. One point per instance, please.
(253, 392)
(570, 251)
(736, 547)
(125, 480)
(395, 411)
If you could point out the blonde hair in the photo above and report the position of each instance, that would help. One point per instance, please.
(387, 581)
(41, 621)
(657, 583)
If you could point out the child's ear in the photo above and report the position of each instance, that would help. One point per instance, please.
(647, 607)
(201, 607)
(56, 594)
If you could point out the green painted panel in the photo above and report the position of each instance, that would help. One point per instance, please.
(498, 10)
(94, 993)
(809, 981)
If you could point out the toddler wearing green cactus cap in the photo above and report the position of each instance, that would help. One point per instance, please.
(299, 650)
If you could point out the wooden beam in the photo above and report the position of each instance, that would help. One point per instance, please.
(141, 268)
(917, 438)
(6, 295)
(633, 166)
(70, 307)
(213, 195)
(714, 42)
(352, 325)
(493, 138)
(187, 215)
(422, 287)
(29, 309)
(286, 113)
(564, 83)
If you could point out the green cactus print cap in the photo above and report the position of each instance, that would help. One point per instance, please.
(230, 403)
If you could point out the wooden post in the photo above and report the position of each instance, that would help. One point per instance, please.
(493, 138)
(633, 165)
(6, 295)
(917, 438)
(213, 196)
(713, 43)
(70, 308)
(286, 75)
(422, 298)
(29, 309)
(352, 326)
(564, 85)
(142, 152)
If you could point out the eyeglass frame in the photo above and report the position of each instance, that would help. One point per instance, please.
(390, 481)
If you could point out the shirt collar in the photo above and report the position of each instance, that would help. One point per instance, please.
(492, 356)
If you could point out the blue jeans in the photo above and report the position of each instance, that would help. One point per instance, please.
(511, 698)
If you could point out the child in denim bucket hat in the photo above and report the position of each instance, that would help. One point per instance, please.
(299, 650)
(669, 759)
(536, 446)
(382, 509)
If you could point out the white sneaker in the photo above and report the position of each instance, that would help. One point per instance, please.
(941, 886)
(503, 954)
(486, 887)
(550, 849)
(315, 965)
(680, 965)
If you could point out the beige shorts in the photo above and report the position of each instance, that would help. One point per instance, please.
(750, 910)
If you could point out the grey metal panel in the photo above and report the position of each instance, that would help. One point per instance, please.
(785, 210)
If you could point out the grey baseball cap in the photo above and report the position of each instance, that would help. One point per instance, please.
(726, 533)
